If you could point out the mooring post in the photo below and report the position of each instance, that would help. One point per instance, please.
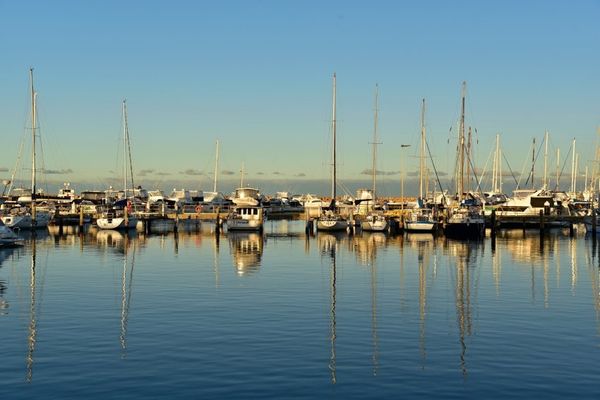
(80, 217)
(541, 223)
(571, 229)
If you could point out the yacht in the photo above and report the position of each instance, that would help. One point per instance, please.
(246, 196)
(8, 238)
(330, 219)
(120, 215)
(422, 219)
(246, 218)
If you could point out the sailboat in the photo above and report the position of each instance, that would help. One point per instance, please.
(28, 217)
(8, 238)
(331, 220)
(421, 219)
(374, 221)
(466, 220)
(119, 216)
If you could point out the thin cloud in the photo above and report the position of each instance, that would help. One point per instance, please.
(277, 173)
(145, 172)
(3, 169)
(260, 173)
(57, 171)
(226, 172)
(300, 175)
(192, 172)
(163, 173)
(368, 171)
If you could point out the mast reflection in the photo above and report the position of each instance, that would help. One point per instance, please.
(466, 260)
(31, 338)
(126, 290)
(328, 246)
(366, 246)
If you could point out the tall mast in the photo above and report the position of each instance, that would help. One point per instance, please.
(546, 160)
(495, 167)
(573, 168)
(333, 127)
(576, 173)
(124, 115)
(499, 170)
(533, 164)
(557, 167)
(374, 168)
(216, 168)
(461, 141)
(422, 150)
(33, 128)
(468, 159)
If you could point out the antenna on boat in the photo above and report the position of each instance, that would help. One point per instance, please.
(242, 176)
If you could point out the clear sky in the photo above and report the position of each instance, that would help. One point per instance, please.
(257, 76)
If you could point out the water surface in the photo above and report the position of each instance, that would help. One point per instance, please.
(282, 315)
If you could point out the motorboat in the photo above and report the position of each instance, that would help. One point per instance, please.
(246, 218)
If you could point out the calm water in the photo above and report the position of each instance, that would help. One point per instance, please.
(281, 316)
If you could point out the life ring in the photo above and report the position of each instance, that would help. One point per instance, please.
(198, 208)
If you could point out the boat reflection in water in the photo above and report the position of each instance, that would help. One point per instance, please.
(328, 243)
(466, 276)
(32, 328)
(126, 290)
(246, 251)
(4, 254)
(110, 238)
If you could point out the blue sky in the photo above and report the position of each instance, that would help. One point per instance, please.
(257, 76)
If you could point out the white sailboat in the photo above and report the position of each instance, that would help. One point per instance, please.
(331, 220)
(119, 215)
(374, 221)
(8, 238)
(466, 220)
(422, 219)
(29, 217)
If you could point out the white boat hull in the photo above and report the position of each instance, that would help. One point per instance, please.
(25, 221)
(244, 225)
(332, 225)
(420, 226)
(8, 238)
(116, 223)
(374, 226)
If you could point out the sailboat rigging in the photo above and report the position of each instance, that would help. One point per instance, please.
(374, 220)
(331, 220)
(119, 215)
(422, 219)
(20, 216)
(465, 220)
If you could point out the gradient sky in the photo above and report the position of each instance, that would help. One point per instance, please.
(257, 76)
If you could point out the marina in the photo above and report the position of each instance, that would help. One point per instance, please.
(335, 315)
(300, 200)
